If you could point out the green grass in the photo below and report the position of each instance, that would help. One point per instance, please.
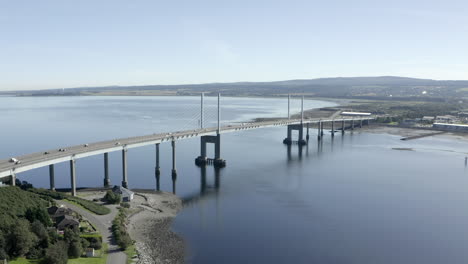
(24, 261)
(88, 260)
(130, 251)
(86, 204)
(96, 235)
(89, 205)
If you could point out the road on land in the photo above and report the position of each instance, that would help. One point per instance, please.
(103, 224)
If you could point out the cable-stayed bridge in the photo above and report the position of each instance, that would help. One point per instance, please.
(10, 167)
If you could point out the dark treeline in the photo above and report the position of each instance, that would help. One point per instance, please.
(26, 229)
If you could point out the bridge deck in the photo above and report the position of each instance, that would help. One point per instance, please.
(40, 159)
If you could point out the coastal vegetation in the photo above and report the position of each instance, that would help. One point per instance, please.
(119, 229)
(27, 234)
(112, 198)
(89, 205)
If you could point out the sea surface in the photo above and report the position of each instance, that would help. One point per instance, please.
(347, 199)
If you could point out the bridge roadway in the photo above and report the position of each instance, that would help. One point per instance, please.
(41, 159)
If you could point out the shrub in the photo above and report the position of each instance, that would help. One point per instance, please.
(57, 253)
(120, 231)
(112, 198)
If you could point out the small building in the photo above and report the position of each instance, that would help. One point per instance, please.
(90, 252)
(355, 114)
(428, 118)
(56, 212)
(125, 193)
(67, 221)
(446, 119)
(451, 127)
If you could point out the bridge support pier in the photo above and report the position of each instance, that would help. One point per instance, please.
(321, 129)
(202, 160)
(73, 177)
(360, 123)
(124, 169)
(352, 124)
(106, 170)
(157, 169)
(333, 128)
(300, 128)
(13, 178)
(307, 135)
(342, 126)
(52, 177)
(319, 124)
(174, 170)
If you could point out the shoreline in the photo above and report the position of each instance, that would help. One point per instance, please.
(149, 225)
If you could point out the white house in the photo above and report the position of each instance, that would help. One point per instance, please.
(126, 194)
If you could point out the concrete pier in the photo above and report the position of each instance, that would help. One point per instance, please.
(333, 128)
(52, 177)
(202, 160)
(157, 169)
(106, 170)
(352, 124)
(360, 123)
(73, 177)
(300, 129)
(13, 178)
(307, 135)
(174, 170)
(124, 169)
(319, 124)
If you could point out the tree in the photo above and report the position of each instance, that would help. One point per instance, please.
(95, 243)
(75, 249)
(72, 237)
(112, 198)
(41, 232)
(125, 241)
(21, 239)
(3, 254)
(38, 213)
(57, 253)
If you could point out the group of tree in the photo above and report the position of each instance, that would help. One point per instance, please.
(119, 229)
(26, 230)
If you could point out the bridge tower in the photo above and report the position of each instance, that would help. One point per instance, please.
(299, 127)
(202, 160)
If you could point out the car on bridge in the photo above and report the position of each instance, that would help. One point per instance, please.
(15, 160)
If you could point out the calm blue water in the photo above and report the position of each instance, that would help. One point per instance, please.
(352, 199)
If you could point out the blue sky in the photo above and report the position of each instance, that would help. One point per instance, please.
(69, 43)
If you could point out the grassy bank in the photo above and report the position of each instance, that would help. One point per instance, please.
(86, 204)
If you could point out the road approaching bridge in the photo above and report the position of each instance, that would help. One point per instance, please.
(10, 167)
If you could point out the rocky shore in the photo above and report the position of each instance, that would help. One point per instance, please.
(150, 226)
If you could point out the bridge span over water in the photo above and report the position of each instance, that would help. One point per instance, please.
(10, 167)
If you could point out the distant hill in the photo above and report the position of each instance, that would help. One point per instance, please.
(383, 87)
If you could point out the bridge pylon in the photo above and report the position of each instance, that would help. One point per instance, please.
(300, 141)
(202, 160)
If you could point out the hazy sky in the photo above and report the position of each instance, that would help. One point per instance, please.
(65, 43)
